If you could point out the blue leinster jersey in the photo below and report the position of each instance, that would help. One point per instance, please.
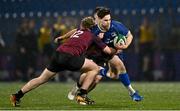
(115, 28)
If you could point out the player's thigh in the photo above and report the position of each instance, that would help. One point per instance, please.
(89, 65)
(117, 64)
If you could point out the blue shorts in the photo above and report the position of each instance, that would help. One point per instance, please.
(121, 56)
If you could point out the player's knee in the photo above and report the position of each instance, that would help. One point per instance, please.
(98, 79)
(94, 72)
(120, 70)
(114, 76)
(96, 69)
(83, 75)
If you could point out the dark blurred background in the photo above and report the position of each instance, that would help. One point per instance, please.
(28, 27)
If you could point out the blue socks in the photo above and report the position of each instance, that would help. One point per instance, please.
(124, 78)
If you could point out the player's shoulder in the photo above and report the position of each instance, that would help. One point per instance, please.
(116, 23)
(95, 29)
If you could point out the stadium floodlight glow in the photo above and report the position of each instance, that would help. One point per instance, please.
(6, 15)
(124, 12)
(81, 12)
(31, 14)
(14, 15)
(161, 10)
(39, 14)
(64, 13)
(48, 14)
(116, 12)
(90, 11)
(73, 12)
(133, 12)
(20, 0)
(12, 0)
(55, 14)
(23, 14)
(4, 0)
(178, 9)
(152, 10)
(143, 11)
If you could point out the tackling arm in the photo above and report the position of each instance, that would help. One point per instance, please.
(103, 46)
(67, 35)
(109, 50)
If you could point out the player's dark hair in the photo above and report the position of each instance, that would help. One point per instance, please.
(103, 12)
(97, 9)
(87, 22)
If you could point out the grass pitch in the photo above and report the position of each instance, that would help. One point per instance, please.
(108, 96)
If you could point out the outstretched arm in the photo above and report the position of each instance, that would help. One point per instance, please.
(67, 35)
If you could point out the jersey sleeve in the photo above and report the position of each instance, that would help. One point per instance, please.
(122, 29)
(99, 42)
(95, 30)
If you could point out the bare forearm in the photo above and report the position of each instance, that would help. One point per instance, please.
(109, 50)
(67, 35)
(129, 39)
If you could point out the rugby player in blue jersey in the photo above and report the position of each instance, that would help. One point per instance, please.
(107, 30)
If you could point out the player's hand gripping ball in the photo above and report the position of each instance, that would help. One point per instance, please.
(119, 40)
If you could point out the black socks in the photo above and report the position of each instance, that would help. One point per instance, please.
(19, 94)
(82, 92)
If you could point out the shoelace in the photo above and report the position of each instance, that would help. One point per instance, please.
(89, 100)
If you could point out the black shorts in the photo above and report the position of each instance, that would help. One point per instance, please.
(63, 61)
(100, 60)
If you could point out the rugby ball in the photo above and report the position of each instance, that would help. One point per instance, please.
(119, 39)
